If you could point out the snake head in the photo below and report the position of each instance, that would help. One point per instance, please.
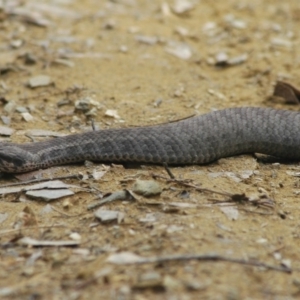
(13, 159)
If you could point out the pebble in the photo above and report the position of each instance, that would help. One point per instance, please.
(16, 43)
(27, 116)
(149, 279)
(40, 80)
(6, 120)
(108, 215)
(147, 188)
(6, 131)
(21, 109)
(182, 6)
(144, 39)
(180, 50)
(279, 42)
(86, 104)
(112, 113)
(10, 107)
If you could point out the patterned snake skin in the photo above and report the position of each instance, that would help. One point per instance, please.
(196, 140)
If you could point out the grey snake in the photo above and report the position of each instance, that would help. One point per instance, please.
(197, 140)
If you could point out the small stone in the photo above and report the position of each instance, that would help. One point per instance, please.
(98, 174)
(27, 116)
(21, 109)
(182, 6)
(165, 9)
(112, 113)
(239, 24)
(40, 80)
(6, 120)
(146, 188)
(108, 215)
(149, 218)
(286, 263)
(65, 62)
(261, 241)
(149, 40)
(10, 106)
(133, 29)
(221, 58)
(277, 256)
(231, 212)
(16, 43)
(86, 104)
(109, 25)
(66, 203)
(6, 131)
(92, 112)
(30, 59)
(149, 280)
(182, 31)
(238, 59)
(180, 50)
(75, 236)
(279, 42)
(123, 49)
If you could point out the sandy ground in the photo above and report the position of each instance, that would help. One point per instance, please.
(151, 62)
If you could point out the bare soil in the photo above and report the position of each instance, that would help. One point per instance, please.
(120, 60)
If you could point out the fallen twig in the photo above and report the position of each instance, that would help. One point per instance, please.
(119, 195)
(236, 198)
(201, 257)
(187, 184)
(8, 231)
(168, 171)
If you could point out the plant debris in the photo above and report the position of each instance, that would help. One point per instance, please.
(131, 258)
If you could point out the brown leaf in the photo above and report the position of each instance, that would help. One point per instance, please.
(289, 93)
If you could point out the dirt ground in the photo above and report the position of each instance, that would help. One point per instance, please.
(129, 63)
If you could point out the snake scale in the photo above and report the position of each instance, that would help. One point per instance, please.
(197, 140)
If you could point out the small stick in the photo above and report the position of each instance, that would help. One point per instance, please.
(93, 125)
(233, 197)
(168, 170)
(119, 195)
(192, 186)
(208, 257)
(3, 232)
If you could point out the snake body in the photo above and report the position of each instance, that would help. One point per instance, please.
(196, 140)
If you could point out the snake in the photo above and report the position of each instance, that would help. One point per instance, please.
(197, 140)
